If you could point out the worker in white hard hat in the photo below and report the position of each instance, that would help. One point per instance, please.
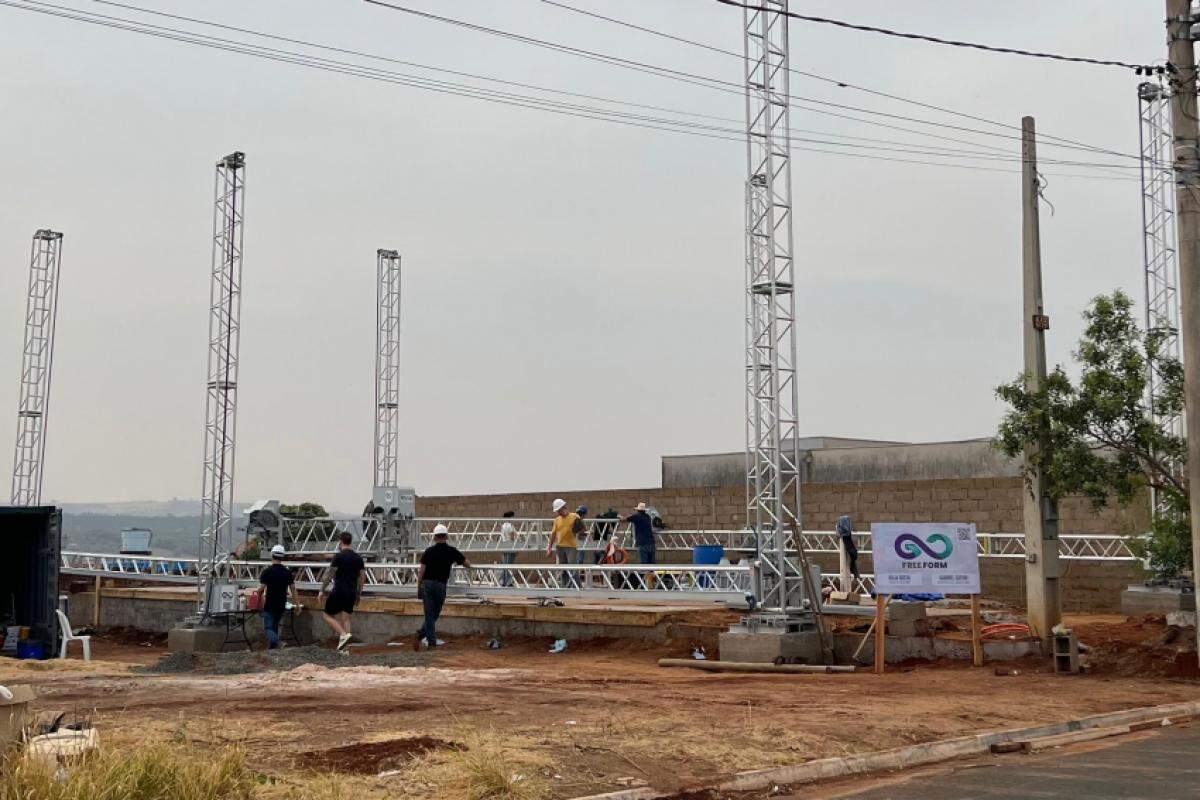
(564, 538)
(277, 583)
(432, 576)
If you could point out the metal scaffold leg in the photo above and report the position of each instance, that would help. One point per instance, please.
(393, 505)
(220, 417)
(37, 359)
(783, 590)
(1159, 246)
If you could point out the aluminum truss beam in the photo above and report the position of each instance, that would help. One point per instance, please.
(220, 416)
(37, 361)
(387, 369)
(685, 582)
(1159, 242)
(482, 535)
(772, 396)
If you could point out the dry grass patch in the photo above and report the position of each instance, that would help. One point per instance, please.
(738, 744)
(488, 766)
(149, 772)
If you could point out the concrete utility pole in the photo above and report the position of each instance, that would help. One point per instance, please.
(1182, 56)
(1043, 607)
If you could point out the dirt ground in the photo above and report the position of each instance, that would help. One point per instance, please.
(596, 718)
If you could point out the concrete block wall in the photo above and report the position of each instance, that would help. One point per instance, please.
(1091, 587)
(993, 504)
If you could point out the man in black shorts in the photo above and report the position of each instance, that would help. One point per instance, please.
(432, 576)
(277, 583)
(348, 573)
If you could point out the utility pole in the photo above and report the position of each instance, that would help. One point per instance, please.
(1182, 57)
(1043, 608)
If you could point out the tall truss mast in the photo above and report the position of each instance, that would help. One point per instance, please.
(772, 444)
(387, 369)
(37, 359)
(1158, 240)
(220, 416)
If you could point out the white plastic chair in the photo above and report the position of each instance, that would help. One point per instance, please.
(69, 636)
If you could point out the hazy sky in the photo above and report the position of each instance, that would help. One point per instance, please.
(572, 298)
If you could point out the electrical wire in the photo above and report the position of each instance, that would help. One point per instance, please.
(906, 148)
(937, 40)
(716, 84)
(574, 110)
(838, 82)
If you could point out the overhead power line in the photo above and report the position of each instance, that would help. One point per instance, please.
(706, 81)
(938, 40)
(838, 82)
(508, 98)
(909, 147)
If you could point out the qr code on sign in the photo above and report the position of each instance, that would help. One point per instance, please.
(964, 534)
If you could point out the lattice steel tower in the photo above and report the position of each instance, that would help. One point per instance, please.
(387, 369)
(37, 358)
(220, 416)
(772, 446)
(1158, 238)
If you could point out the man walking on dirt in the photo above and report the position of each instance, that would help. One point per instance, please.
(432, 577)
(277, 583)
(348, 573)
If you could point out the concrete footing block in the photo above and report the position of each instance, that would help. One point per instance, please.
(1139, 600)
(766, 646)
(206, 639)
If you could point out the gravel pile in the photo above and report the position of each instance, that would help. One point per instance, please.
(249, 661)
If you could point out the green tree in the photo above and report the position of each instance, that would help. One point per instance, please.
(1100, 441)
(305, 509)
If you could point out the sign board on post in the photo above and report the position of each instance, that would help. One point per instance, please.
(925, 557)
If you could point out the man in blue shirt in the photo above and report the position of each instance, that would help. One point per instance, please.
(643, 534)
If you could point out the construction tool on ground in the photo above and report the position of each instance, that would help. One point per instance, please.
(813, 593)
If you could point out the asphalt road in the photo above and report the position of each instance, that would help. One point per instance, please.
(1155, 765)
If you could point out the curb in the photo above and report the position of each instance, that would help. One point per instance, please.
(913, 755)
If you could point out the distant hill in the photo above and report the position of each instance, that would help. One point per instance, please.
(174, 535)
(96, 527)
(144, 508)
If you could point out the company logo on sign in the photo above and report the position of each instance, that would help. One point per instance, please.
(909, 546)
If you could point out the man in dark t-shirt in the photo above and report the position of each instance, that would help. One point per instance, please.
(643, 534)
(277, 583)
(348, 573)
(432, 576)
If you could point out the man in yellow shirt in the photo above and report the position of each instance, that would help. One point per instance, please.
(564, 540)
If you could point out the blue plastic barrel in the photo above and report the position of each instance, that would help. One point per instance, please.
(32, 650)
(707, 554)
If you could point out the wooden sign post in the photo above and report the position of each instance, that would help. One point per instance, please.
(880, 629)
(976, 636)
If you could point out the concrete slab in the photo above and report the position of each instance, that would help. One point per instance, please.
(765, 646)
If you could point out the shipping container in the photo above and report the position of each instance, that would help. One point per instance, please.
(31, 543)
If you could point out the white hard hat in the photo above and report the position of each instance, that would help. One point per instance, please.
(440, 530)
(507, 528)
(278, 550)
(558, 505)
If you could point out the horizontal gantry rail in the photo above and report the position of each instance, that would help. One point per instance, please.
(483, 535)
(727, 584)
